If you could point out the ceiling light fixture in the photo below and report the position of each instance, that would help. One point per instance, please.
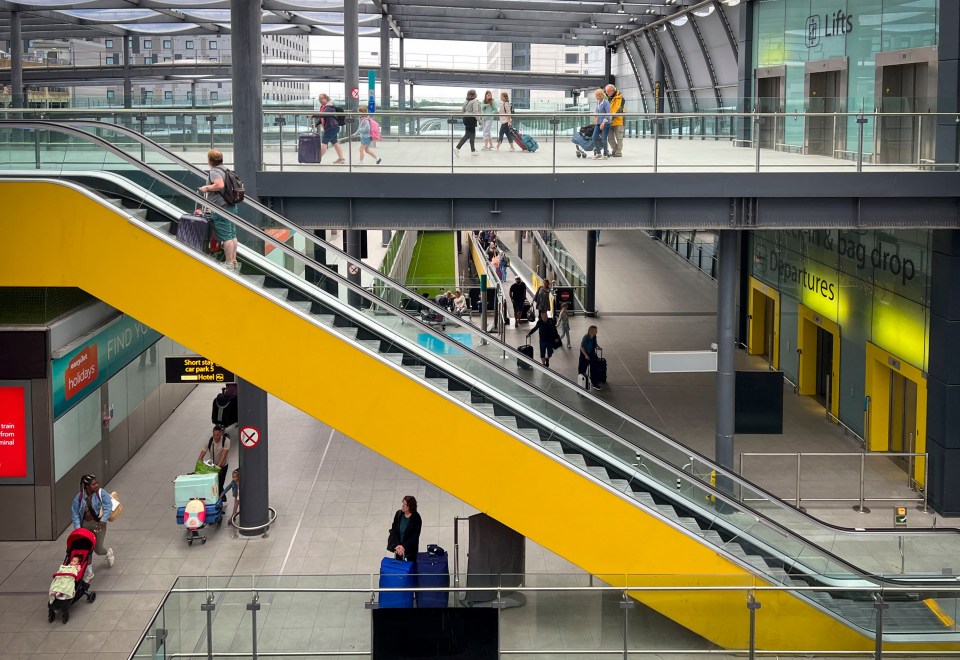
(703, 12)
(731, 3)
(679, 21)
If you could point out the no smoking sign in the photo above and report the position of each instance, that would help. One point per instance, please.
(249, 436)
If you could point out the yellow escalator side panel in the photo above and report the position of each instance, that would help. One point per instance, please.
(72, 240)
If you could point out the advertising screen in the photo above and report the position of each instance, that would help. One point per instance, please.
(13, 432)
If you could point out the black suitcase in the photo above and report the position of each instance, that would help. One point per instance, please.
(194, 230)
(433, 571)
(308, 148)
(527, 350)
(527, 314)
(598, 370)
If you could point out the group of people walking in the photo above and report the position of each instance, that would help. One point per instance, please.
(486, 114)
(608, 126)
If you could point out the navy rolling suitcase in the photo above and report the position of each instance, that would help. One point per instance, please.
(308, 148)
(527, 350)
(396, 574)
(598, 369)
(433, 571)
(194, 230)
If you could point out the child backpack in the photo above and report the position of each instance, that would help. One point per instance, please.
(374, 130)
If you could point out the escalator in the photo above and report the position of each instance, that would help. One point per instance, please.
(525, 446)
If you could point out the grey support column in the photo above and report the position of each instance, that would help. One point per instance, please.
(726, 338)
(351, 53)
(607, 65)
(247, 78)
(253, 460)
(385, 71)
(353, 250)
(17, 97)
(745, 75)
(948, 82)
(519, 241)
(590, 296)
(401, 88)
(127, 77)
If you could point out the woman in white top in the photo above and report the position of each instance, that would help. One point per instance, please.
(459, 303)
(506, 120)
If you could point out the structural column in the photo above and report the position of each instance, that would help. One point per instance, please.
(245, 25)
(745, 73)
(590, 296)
(17, 97)
(659, 80)
(127, 78)
(401, 88)
(948, 82)
(607, 65)
(385, 72)
(254, 458)
(351, 81)
(726, 344)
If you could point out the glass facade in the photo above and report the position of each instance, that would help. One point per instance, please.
(874, 284)
(791, 33)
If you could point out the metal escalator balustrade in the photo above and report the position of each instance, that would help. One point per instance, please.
(480, 382)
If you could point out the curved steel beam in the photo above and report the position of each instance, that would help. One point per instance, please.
(684, 66)
(636, 74)
(731, 37)
(646, 69)
(707, 60)
(670, 91)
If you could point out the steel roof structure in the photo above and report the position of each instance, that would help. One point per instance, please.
(570, 22)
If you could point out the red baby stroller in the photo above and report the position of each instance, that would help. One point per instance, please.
(80, 544)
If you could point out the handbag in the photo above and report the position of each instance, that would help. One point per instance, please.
(116, 507)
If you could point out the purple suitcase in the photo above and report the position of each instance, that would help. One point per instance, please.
(194, 230)
(308, 148)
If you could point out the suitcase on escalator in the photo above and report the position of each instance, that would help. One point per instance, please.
(433, 571)
(396, 574)
(527, 350)
(194, 230)
(308, 148)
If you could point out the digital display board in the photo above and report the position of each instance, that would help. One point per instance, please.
(195, 369)
(16, 464)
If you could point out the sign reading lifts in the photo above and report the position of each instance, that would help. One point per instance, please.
(195, 369)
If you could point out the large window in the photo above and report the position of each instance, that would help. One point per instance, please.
(148, 43)
(108, 43)
(189, 45)
(573, 58)
(167, 44)
(111, 95)
(110, 59)
(212, 45)
(168, 96)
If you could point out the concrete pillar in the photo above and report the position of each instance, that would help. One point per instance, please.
(590, 296)
(254, 461)
(948, 81)
(17, 97)
(943, 379)
(726, 345)
(353, 250)
(351, 54)
(519, 242)
(385, 72)
(245, 22)
(401, 88)
(745, 75)
(127, 78)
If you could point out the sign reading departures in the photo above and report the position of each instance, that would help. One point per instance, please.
(195, 369)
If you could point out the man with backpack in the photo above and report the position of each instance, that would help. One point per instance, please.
(221, 191)
(329, 119)
(616, 125)
(219, 448)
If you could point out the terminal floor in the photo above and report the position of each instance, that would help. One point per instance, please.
(650, 299)
(335, 500)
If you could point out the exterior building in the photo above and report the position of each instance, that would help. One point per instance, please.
(541, 57)
(56, 52)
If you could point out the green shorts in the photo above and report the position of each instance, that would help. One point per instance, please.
(225, 229)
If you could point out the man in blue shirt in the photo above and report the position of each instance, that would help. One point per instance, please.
(91, 509)
(331, 129)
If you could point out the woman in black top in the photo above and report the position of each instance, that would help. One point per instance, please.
(549, 337)
(404, 539)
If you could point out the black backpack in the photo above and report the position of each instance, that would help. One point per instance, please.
(339, 116)
(233, 190)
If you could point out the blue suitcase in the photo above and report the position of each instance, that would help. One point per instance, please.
(213, 517)
(396, 574)
(433, 571)
(528, 143)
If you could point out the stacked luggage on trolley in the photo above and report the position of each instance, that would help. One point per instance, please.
(198, 502)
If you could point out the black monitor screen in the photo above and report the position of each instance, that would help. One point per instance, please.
(462, 633)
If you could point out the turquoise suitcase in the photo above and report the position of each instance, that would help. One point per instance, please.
(189, 486)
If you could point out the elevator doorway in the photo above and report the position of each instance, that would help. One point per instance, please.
(770, 94)
(906, 85)
(896, 394)
(818, 349)
(764, 323)
(826, 83)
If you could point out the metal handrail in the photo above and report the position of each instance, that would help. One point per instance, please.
(798, 499)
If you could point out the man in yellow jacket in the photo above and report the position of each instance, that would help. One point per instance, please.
(616, 126)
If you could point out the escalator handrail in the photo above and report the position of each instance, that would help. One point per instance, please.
(66, 125)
